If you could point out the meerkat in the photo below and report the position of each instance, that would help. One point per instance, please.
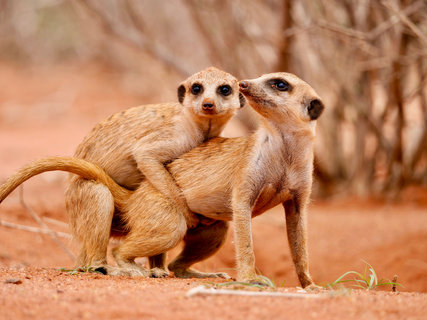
(136, 143)
(237, 179)
(231, 179)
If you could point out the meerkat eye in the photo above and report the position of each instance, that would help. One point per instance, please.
(281, 85)
(196, 89)
(225, 90)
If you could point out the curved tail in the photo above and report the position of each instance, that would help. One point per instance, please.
(77, 166)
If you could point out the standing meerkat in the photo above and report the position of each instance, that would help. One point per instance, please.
(237, 179)
(228, 179)
(136, 143)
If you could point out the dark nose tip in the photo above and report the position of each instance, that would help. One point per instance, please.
(208, 106)
(243, 85)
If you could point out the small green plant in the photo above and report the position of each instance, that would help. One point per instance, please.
(367, 280)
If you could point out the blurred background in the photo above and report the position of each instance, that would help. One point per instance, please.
(66, 65)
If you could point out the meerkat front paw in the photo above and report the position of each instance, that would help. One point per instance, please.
(313, 288)
(256, 279)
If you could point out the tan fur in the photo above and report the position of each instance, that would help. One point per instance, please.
(80, 167)
(228, 179)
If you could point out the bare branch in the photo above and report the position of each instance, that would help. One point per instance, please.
(285, 46)
(56, 222)
(405, 20)
(33, 229)
(349, 32)
(34, 215)
(155, 50)
(384, 26)
(213, 52)
(363, 39)
(203, 291)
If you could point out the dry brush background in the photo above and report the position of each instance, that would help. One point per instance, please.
(367, 59)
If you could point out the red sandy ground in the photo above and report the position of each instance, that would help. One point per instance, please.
(47, 112)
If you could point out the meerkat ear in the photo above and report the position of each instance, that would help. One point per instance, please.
(315, 109)
(242, 100)
(181, 93)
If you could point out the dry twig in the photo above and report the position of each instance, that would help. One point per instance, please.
(34, 215)
(12, 225)
(203, 291)
(405, 20)
(144, 45)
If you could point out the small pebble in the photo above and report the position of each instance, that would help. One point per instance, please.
(13, 281)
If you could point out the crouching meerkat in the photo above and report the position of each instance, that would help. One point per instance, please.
(226, 179)
(135, 144)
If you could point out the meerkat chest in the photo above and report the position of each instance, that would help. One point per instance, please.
(278, 173)
(188, 134)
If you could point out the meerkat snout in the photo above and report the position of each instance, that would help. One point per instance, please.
(243, 85)
(208, 106)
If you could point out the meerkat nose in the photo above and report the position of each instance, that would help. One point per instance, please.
(208, 106)
(243, 85)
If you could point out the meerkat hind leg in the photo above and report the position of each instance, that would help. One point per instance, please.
(90, 206)
(199, 244)
(158, 267)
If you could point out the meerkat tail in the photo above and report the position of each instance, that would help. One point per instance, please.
(77, 166)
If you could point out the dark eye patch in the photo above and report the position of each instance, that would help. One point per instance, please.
(196, 89)
(225, 90)
(280, 84)
(242, 100)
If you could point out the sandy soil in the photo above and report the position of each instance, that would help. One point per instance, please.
(50, 294)
(50, 116)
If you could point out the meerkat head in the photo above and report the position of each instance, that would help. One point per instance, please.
(281, 96)
(211, 93)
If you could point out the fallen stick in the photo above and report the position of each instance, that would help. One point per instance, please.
(203, 291)
(33, 229)
(35, 216)
(65, 235)
(56, 222)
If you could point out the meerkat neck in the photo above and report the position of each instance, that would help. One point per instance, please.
(289, 138)
(215, 126)
(305, 131)
(208, 127)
